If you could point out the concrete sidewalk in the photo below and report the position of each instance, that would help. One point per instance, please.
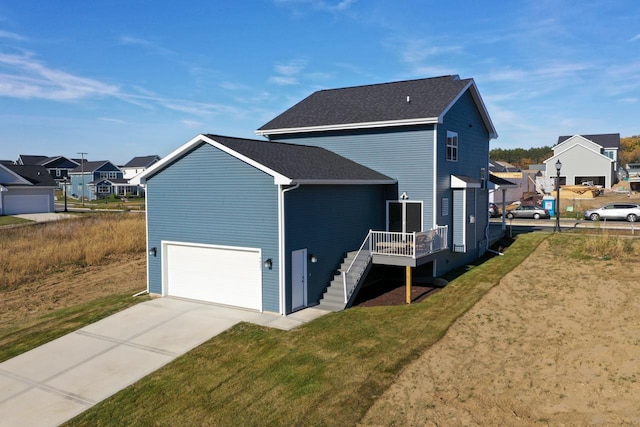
(61, 379)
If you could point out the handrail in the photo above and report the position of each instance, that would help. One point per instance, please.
(413, 245)
(362, 259)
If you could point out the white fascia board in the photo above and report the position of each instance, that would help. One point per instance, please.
(178, 152)
(477, 98)
(350, 126)
(343, 182)
(3, 188)
(459, 183)
(277, 177)
(598, 153)
(189, 145)
(19, 179)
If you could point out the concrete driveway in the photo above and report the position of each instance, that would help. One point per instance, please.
(61, 379)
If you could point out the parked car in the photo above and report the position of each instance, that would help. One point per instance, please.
(493, 210)
(627, 211)
(535, 212)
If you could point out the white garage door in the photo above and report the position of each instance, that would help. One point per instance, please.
(22, 204)
(223, 275)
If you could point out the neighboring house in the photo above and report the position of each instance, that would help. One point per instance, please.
(522, 183)
(25, 189)
(99, 179)
(133, 168)
(399, 170)
(585, 158)
(57, 166)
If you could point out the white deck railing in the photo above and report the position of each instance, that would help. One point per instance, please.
(411, 245)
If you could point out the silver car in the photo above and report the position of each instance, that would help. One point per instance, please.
(534, 212)
(627, 211)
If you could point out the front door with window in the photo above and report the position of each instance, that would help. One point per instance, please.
(404, 216)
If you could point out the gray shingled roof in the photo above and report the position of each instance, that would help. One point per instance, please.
(36, 175)
(300, 162)
(606, 140)
(142, 161)
(31, 159)
(89, 166)
(428, 98)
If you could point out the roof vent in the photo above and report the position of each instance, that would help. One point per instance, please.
(408, 99)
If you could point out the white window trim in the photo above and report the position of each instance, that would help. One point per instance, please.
(452, 146)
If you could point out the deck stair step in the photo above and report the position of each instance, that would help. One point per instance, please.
(333, 297)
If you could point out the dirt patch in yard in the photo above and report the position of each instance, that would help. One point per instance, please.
(556, 342)
(72, 285)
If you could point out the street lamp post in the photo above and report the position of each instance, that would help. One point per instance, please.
(65, 193)
(82, 173)
(558, 167)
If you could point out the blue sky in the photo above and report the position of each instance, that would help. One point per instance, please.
(119, 79)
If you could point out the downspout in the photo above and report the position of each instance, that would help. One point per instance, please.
(281, 241)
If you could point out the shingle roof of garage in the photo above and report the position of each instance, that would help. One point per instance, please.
(36, 175)
(301, 162)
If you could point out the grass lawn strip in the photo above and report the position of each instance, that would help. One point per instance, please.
(12, 220)
(46, 327)
(327, 372)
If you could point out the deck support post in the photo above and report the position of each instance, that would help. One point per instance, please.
(408, 278)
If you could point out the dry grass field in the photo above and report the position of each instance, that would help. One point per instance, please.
(556, 342)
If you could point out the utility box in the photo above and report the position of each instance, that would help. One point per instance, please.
(549, 203)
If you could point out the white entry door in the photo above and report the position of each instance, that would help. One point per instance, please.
(298, 279)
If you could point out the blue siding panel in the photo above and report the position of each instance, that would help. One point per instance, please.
(405, 154)
(210, 197)
(329, 221)
(473, 154)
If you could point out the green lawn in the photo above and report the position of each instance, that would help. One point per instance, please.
(15, 340)
(10, 220)
(327, 372)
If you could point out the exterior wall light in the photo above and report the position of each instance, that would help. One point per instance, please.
(268, 264)
(313, 258)
(153, 251)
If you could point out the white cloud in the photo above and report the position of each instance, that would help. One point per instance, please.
(319, 5)
(287, 73)
(192, 124)
(110, 120)
(31, 79)
(151, 46)
(11, 36)
(634, 38)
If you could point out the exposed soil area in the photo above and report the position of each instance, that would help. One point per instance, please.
(72, 285)
(556, 342)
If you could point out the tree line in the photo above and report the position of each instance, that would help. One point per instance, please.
(524, 157)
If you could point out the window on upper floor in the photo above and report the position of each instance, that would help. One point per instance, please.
(104, 174)
(452, 146)
(113, 175)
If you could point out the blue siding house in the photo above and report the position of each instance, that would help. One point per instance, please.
(95, 180)
(348, 180)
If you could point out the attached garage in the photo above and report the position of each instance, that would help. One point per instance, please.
(217, 274)
(27, 203)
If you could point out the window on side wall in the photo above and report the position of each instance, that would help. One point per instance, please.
(452, 146)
